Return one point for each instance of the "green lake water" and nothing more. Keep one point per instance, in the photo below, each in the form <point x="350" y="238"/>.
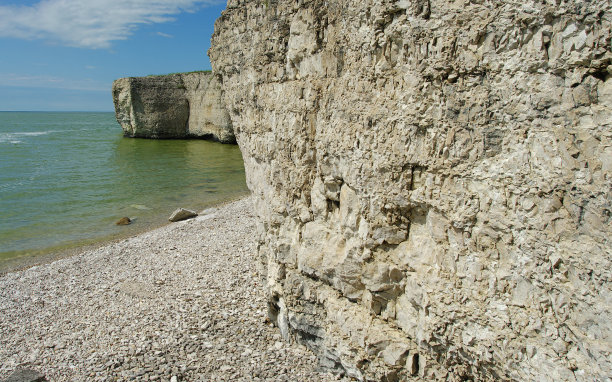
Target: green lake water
<point x="66" y="178"/>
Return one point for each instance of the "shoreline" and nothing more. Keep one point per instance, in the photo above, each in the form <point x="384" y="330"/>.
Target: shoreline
<point x="51" y="254"/>
<point x="183" y="300"/>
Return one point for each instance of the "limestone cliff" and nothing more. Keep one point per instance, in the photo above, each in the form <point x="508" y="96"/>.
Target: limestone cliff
<point x="182" y="105"/>
<point x="433" y="181"/>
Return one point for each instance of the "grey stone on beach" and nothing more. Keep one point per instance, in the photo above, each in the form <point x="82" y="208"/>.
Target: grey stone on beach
<point x="182" y="214"/>
<point x="25" y="375"/>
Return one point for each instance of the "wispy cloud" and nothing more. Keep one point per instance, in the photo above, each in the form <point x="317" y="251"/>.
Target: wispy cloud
<point x="166" y="35"/>
<point x="46" y="81"/>
<point x="89" y="24"/>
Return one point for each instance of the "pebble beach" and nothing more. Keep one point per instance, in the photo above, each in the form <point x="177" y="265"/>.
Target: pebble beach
<point x="183" y="302"/>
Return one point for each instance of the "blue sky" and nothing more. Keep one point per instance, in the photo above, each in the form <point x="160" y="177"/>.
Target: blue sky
<point x="63" y="55"/>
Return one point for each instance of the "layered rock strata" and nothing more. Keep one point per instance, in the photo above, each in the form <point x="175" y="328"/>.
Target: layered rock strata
<point x="182" y="105"/>
<point x="432" y="179"/>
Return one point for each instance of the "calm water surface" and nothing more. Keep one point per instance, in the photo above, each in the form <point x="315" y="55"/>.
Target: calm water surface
<point x="66" y="178"/>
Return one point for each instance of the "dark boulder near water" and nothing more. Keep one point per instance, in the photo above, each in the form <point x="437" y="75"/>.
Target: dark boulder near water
<point x="124" y="221"/>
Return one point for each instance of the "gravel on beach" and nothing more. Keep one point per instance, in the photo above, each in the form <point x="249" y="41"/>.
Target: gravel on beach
<point x="179" y="303"/>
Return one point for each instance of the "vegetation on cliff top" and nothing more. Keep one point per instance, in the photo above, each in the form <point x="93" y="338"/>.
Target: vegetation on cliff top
<point x="171" y="74"/>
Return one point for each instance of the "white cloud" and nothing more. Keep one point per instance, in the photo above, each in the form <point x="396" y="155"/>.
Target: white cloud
<point x="88" y="24"/>
<point x="166" y="35"/>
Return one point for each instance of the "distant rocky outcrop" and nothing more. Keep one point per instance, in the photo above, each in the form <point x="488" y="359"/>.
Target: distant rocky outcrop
<point x="182" y="105"/>
<point x="432" y="179"/>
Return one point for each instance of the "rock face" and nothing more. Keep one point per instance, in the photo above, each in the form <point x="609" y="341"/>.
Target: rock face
<point x="432" y="179"/>
<point x="183" y="105"/>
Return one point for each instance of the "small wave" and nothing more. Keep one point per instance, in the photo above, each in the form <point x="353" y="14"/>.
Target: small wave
<point x="139" y="206"/>
<point x="15" y="137"/>
<point x="10" y="186"/>
<point x="32" y="133"/>
<point x="10" y="140"/>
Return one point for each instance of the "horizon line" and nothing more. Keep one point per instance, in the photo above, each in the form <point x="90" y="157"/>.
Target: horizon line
<point x="57" y="111"/>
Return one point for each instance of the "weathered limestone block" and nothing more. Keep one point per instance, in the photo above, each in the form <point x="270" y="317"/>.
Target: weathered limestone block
<point x="182" y="105"/>
<point x="432" y="179"/>
<point x="182" y="214"/>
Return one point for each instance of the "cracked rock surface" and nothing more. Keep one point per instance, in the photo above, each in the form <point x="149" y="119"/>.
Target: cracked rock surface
<point x="432" y="179"/>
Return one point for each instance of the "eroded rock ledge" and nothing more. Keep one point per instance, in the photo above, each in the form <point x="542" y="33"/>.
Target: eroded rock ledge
<point x="182" y="105"/>
<point x="433" y="181"/>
